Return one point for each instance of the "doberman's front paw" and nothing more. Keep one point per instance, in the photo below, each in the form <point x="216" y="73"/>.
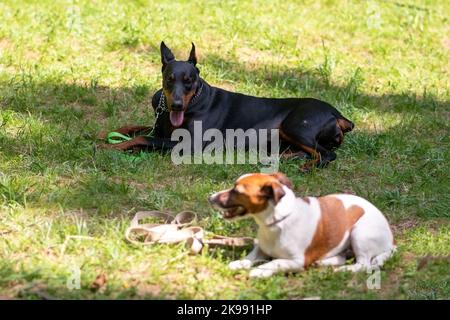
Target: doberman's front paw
<point x="102" y="135"/>
<point x="108" y="146"/>
<point x="104" y="146"/>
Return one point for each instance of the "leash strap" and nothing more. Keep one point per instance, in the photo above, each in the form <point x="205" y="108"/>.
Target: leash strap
<point x="166" y="232"/>
<point x="116" y="137"/>
<point x="176" y="229"/>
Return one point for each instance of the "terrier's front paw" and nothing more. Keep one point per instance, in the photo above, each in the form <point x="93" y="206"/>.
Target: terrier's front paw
<point x="260" y="273"/>
<point x="240" y="264"/>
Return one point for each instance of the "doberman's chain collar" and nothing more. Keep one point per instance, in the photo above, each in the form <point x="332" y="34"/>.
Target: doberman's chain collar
<point x="116" y="137"/>
<point x="161" y="108"/>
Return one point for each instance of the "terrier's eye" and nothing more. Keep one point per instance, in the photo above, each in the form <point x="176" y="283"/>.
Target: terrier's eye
<point x="239" y="189"/>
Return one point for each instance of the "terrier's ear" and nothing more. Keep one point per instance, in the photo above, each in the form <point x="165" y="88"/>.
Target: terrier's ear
<point x="273" y="190"/>
<point x="192" y="57"/>
<point x="166" y="55"/>
<point x="283" y="179"/>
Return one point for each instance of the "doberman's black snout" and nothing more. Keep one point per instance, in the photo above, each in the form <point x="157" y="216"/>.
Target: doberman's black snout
<point x="177" y="105"/>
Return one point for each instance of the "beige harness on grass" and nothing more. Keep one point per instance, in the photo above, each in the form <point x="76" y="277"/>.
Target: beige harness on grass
<point x="176" y="229"/>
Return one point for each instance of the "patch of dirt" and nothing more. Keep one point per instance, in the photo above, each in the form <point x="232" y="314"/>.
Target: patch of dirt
<point x="135" y="278"/>
<point x="424" y="261"/>
<point x="202" y="273"/>
<point x="144" y="290"/>
<point x="408" y="257"/>
<point x="5" y="44"/>
<point x="401" y="226"/>
<point x="31" y="55"/>
<point x="38" y="289"/>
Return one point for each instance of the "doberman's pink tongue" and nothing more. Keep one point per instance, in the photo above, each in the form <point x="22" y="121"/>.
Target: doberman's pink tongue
<point x="176" y="118"/>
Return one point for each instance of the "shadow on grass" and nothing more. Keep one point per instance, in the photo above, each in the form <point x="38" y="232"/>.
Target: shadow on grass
<point x="298" y="82"/>
<point x="63" y="113"/>
<point x="62" y="102"/>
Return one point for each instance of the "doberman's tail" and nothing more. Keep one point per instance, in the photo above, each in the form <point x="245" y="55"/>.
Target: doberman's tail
<point x="345" y="124"/>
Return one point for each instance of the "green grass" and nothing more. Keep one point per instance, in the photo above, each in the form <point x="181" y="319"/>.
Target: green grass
<point x="70" y="69"/>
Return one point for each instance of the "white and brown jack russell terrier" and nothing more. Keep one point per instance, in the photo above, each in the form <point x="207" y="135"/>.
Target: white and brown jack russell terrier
<point x="299" y="232"/>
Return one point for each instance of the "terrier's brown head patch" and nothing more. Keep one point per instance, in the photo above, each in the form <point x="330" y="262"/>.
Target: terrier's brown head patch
<point x="251" y="193"/>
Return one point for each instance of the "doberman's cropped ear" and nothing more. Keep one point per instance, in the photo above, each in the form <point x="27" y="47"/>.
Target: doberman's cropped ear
<point x="192" y="56"/>
<point x="166" y="55"/>
<point x="273" y="190"/>
<point x="283" y="179"/>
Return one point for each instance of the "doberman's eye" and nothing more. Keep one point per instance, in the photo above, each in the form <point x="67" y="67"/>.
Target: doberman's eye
<point x="187" y="83"/>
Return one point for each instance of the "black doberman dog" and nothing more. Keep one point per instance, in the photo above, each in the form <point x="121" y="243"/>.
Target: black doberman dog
<point x="305" y="124"/>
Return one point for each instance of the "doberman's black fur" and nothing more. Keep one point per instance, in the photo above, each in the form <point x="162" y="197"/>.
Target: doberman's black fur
<point x="304" y="124"/>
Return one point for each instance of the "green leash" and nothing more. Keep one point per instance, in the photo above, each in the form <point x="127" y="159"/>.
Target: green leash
<point x="116" y="137"/>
